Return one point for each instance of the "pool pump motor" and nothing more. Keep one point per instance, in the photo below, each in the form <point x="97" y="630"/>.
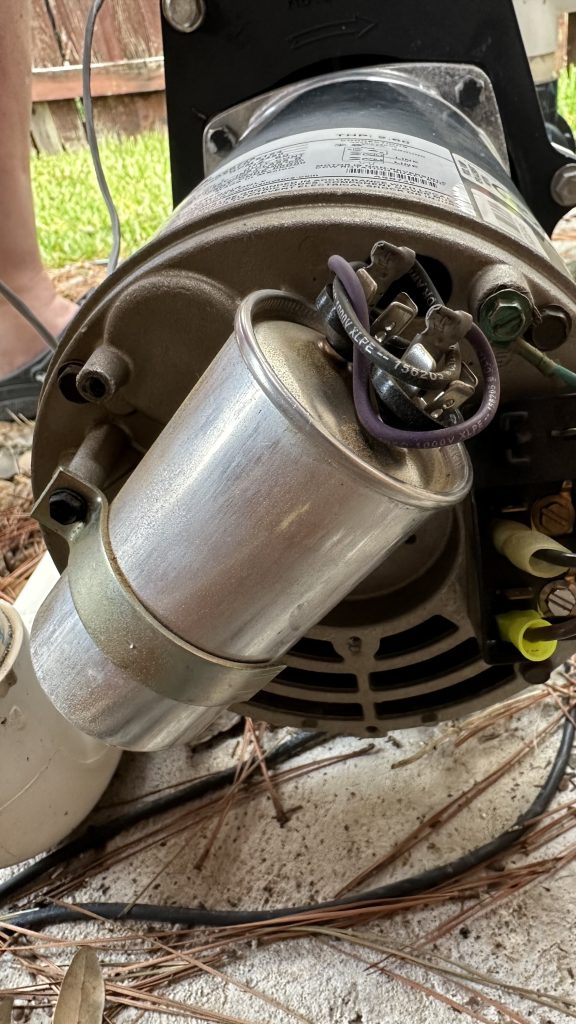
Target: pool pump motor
<point x="277" y="447"/>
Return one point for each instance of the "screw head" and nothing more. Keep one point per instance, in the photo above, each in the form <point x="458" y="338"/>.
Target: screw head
<point x="354" y="645"/>
<point x="552" y="329"/>
<point x="184" y="15"/>
<point x="469" y="92"/>
<point x="505" y="315"/>
<point x="557" y="600"/>
<point x="220" y="141"/>
<point x="563" y="185"/>
<point x="67" y="507"/>
<point x="554" y="515"/>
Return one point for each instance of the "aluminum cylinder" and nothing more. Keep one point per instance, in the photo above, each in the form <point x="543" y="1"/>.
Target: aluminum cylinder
<point x="259" y="508"/>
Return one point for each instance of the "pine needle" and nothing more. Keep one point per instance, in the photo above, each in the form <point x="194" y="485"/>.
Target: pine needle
<point x="446" y="813"/>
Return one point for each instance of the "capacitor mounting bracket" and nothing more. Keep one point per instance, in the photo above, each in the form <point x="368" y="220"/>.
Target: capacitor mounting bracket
<point x="123" y="628"/>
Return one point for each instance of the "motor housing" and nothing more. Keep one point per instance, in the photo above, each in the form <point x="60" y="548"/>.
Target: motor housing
<point x="323" y="166"/>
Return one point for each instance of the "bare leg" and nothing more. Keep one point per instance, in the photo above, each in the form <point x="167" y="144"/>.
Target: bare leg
<point x="20" y="264"/>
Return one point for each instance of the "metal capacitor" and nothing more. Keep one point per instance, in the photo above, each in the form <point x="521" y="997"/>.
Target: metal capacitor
<point x="259" y="507"/>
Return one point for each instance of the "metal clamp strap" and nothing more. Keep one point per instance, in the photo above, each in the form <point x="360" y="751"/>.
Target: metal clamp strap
<point x="124" y="630"/>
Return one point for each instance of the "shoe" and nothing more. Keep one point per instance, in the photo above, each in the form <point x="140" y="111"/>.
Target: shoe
<point x="20" y="390"/>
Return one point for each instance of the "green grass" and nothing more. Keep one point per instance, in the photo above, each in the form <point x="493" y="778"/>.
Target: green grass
<point x="71" y="218"/>
<point x="567" y="95"/>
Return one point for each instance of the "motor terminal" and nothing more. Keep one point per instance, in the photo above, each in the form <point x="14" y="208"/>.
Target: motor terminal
<point x="558" y="599"/>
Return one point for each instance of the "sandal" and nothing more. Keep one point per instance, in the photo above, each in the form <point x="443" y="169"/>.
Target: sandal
<point x="20" y="390"/>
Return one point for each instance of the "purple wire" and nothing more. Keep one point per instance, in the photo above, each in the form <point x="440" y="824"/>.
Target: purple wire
<point x="367" y="415"/>
<point x="349" y="280"/>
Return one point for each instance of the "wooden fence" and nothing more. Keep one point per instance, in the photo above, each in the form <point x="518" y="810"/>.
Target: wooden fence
<point x="128" y="69"/>
<point x="127" y="75"/>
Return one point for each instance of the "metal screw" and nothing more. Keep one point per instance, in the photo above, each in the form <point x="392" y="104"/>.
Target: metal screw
<point x="554" y="515"/>
<point x="558" y="600"/>
<point x="220" y="141"/>
<point x="553" y="328"/>
<point x="563" y="185"/>
<point x="553" y="519"/>
<point x="505" y="315"/>
<point x="354" y="645"/>
<point x="469" y="92"/>
<point x="67" y="507"/>
<point x="184" y="15"/>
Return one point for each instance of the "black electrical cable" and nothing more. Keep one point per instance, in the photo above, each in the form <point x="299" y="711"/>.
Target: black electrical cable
<point x="191" y="917"/>
<point x="97" y="835"/>
<point x="563" y="559"/>
<point x="379" y="356"/>
<point x="92" y="138"/>
<point x="21" y="307"/>
<point x="565" y="630"/>
<point x="425" y="285"/>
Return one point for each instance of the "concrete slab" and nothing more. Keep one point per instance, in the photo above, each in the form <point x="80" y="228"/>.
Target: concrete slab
<point x="343" y="818"/>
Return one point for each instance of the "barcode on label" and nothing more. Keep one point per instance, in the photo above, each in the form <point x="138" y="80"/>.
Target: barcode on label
<point x="392" y="174"/>
<point x="496" y="213"/>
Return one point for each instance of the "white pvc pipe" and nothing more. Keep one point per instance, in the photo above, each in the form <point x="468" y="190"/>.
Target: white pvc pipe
<point x="539" y="24"/>
<point x="51" y="775"/>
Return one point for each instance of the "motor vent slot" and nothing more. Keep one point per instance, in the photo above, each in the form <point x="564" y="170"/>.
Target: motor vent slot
<point x="450" y="661"/>
<point x="344" y="682"/>
<point x="311" y="710"/>
<point x="485" y="682"/>
<point x="432" y="631"/>
<point x="311" y="647"/>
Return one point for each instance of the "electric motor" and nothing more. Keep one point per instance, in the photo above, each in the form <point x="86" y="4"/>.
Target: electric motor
<point x="266" y="548"/>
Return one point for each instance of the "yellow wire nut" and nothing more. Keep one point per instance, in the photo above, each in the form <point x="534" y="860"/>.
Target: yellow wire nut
<point x="518" y="543"/>
<point x="513" y="627"/>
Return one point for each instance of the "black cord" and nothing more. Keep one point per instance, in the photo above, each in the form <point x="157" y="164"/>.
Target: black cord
<point x="21" y="307"/>
<point x="565" y="630"/>
<point x="92" y="138"/>
<point x="97" y="835"/>
<point x="192" y="917"/>
<point x="563" y="559"/>
<point x="425" y="285"/>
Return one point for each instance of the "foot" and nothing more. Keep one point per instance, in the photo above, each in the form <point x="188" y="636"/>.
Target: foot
<point x="19" y="342"/>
